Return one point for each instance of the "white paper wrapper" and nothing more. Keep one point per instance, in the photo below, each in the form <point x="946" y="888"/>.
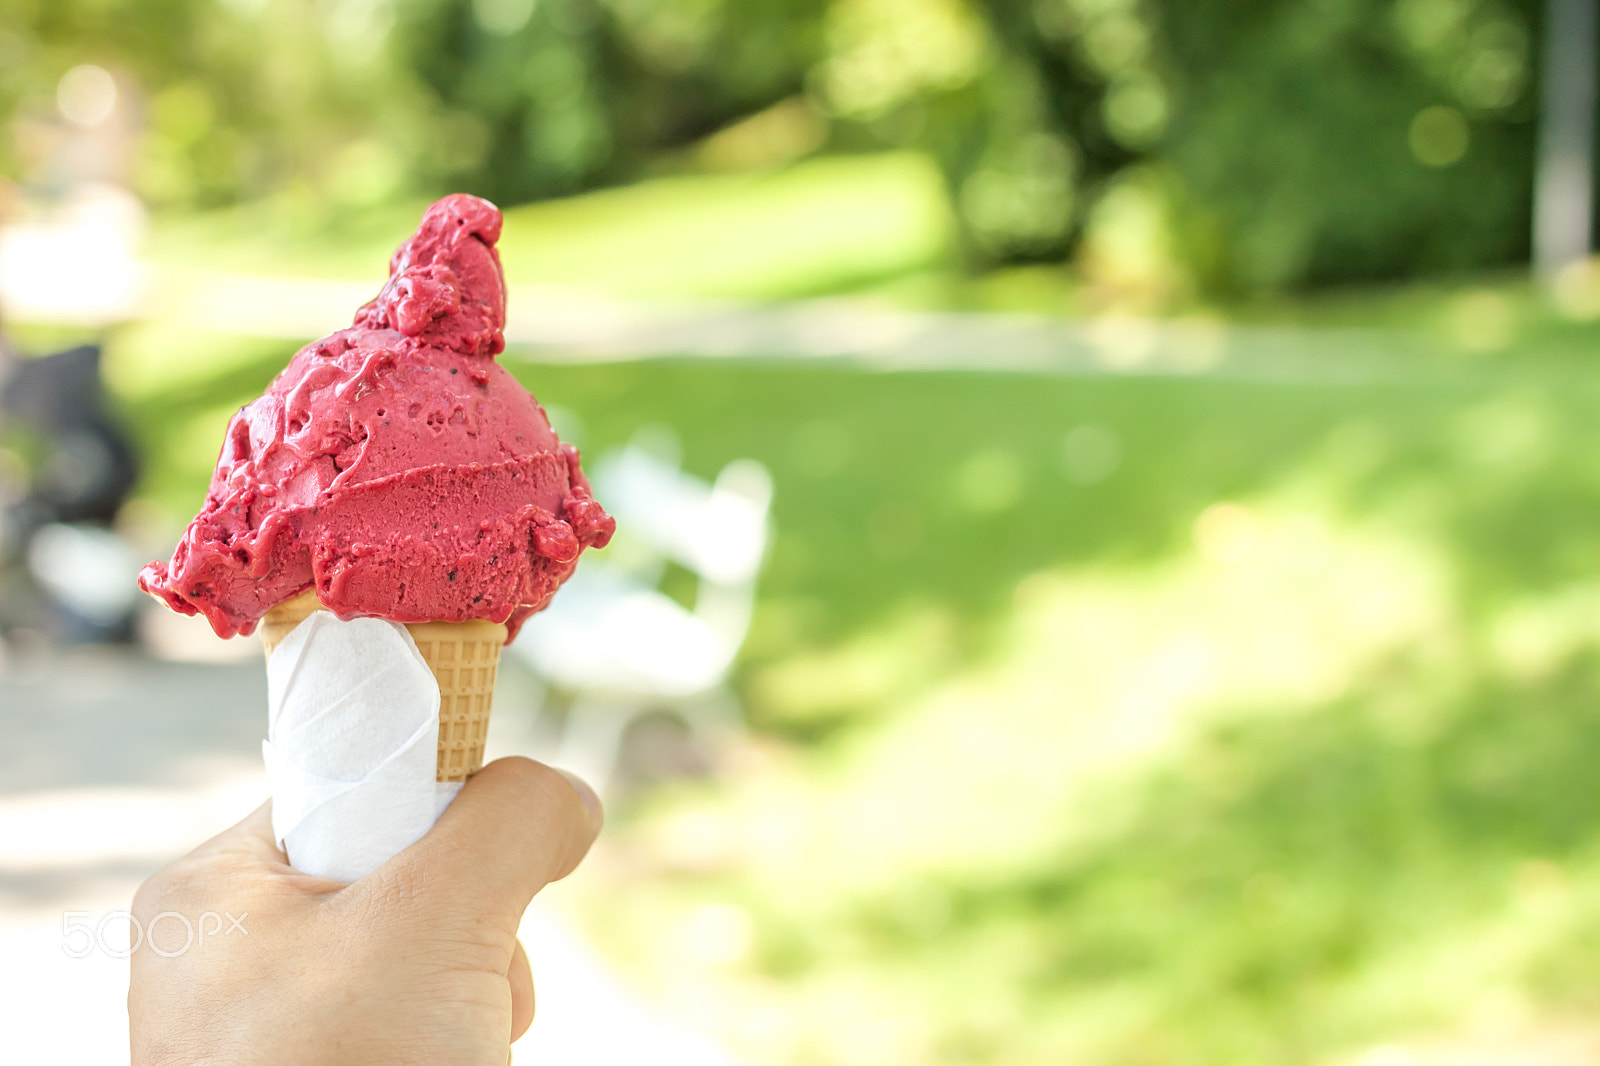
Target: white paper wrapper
<point x="352" y="745"/>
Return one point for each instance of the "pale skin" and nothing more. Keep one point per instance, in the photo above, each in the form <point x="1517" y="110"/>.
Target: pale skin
<point x="416" y="963"/>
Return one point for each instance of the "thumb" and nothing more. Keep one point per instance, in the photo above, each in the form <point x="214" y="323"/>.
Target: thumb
<point x="516" y="826"/>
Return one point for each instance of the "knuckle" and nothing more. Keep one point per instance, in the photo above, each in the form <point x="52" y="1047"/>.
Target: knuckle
<point x="147" y="897"/>
<point x="185" y="882"/>
<point x="523" y="771"/>
<point x="159" y="892"/>
<point x="555" y="789"/>
<point x="395" y="888"/>
<point x="541" y="789"/>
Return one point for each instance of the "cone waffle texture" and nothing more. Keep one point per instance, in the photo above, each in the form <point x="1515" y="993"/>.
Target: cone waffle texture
<point x="464" y="658"/>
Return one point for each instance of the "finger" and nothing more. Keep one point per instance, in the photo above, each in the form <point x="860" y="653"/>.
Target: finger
<point x="246" y="848"/>
<point x="521" y="977"/>
<point x="516" y="826"/>
<point x="253" y="844"/>
<point x="251" y="838"/>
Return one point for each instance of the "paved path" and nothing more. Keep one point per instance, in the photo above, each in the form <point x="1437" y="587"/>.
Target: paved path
<point x="572" y="326"/>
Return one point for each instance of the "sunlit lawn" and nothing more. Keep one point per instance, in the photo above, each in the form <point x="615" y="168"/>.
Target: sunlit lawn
<point x="1122" y="720"/>
<point x="820" y="226"/>
<point x="1260" y="728"/>
<point x="1275" y="743"/>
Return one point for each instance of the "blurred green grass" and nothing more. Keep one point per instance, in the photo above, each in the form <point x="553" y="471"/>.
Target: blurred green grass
<point x="1110" y="719"/>
<point x="1276" y="782"/>
<point x="1395" y="838"/>
<point x="819" y="226"/>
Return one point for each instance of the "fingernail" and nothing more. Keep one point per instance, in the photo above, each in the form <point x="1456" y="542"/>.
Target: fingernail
<point x="591" y="802"/>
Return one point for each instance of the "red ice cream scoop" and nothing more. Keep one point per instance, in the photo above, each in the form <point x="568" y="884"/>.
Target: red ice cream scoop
<point x="394" y="468"/>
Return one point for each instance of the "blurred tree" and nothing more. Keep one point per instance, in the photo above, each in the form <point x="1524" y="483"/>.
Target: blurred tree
<point x="1279" y="143"/>
<point x="538" y="99"/>
<point x="1350" y="139"/>
<point x="988" y="94"/>
<point x="1234" y="145"/>
<point x="236" y="99"/>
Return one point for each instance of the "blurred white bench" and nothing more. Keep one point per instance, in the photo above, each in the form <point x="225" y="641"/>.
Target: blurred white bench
<point x="620" y="645"/>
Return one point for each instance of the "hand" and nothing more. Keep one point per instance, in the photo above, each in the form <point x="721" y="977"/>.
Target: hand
<point x="416" y="963"/>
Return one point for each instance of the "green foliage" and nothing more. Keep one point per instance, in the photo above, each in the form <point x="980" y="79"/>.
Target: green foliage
<point x="235" y="100"/>
<point x="545" y="98"/>
<point x="1353" y="140"/>
<point x="1296" y="144"/>
<point x="1169" y="147"/>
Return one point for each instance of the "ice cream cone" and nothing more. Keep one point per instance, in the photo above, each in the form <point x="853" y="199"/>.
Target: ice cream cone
<point x="464" y="658"/>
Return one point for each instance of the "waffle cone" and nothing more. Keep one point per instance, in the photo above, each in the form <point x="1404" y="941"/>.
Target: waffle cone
<point x="464" y="658"/>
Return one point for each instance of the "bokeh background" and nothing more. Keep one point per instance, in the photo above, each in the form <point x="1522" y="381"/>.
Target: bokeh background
<point x="1180" y="638"/>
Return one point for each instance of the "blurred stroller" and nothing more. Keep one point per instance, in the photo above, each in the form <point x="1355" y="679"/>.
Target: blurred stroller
<point x="623" y="648"/>
<point x="63" y="572"/>
<point x="66" y="463"/>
